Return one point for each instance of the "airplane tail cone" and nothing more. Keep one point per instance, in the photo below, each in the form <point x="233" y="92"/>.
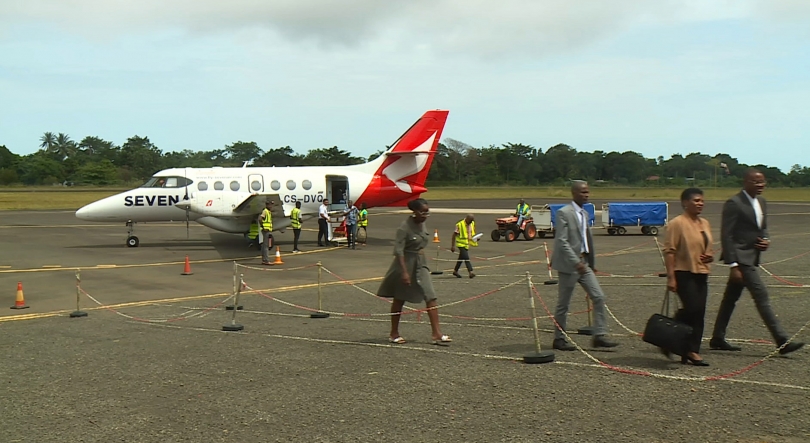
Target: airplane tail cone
<point x="436" y="236"/>
<point x="20" y="302"/>
<point x="187" y="268"/>
<point x="278" y="257"/>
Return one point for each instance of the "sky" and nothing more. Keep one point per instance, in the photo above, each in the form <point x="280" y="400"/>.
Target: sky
<point x="655" y="77"/>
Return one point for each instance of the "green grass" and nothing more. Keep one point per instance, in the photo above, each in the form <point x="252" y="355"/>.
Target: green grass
<point x="37" y="198"/>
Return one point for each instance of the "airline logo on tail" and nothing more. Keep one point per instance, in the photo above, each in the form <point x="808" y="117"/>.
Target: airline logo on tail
<point x="406" y="165"/>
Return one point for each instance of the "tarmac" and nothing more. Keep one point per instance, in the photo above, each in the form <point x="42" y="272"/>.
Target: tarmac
<point x="151" y="362"/>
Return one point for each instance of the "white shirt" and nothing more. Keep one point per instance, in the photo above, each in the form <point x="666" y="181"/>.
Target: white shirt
<point x="323" y="212"/>
<point x="582" y="217"/>
<point x="757" y="208"/>
<point x="758" y="214"/>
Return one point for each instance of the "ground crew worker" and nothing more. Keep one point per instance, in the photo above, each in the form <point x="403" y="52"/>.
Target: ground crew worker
<point x="523" y="212"/>
<point x="253" y="235"/>
<point x="266" y="223"/>
<point x="363" y="222"/>
<point x="351" y="224"/>
<point x="295" y="224"/>
<point x="463" y="239"/>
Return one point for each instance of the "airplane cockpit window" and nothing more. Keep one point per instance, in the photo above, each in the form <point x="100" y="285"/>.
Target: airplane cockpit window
<point x="219" y="186"/>
<point x="234" y="186"/>
<point x="307" y="185"/>
<point x="202" y="186"/>
<point x="167" y="182"/>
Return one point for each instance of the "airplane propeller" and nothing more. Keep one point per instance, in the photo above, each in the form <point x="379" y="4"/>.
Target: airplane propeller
<point x="185" y="177"/>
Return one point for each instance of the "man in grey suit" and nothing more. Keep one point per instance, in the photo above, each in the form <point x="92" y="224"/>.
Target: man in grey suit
<point x="573" y="258"/>
<point x="744" y="236"/>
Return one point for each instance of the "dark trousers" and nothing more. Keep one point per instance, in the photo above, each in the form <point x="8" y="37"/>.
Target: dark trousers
<point x="463" y="256"/>
<point x="323" y="230"/>
<point x="365" y="231"/>
<point x="759" y="293"/>
<point x="296" y="236"/>
<point x="351" y="234"/>
<point x="693" y="290"/>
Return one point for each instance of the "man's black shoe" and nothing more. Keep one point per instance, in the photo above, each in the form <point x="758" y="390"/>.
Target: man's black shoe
<point x="601" y="341"/>
<point x="722" y="345"/>
<point x="562" y="345"/>
<point x="790" y="347"/>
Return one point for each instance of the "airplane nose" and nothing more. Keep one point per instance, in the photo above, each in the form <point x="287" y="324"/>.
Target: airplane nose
<point x="84" y="212"/>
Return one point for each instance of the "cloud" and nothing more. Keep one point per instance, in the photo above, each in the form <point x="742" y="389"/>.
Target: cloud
<point x="481" y="28"/>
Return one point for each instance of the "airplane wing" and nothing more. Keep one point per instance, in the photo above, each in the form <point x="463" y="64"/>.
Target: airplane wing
<point x="254" y="204"/>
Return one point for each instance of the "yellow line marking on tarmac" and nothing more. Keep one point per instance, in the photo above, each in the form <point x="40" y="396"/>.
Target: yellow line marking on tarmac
<point x="51" y="266"/>
<point x="5" y="267"/>
<point x="34" y="316"/>
<point x="102" y="225"/>
<point x="148" y="265"/>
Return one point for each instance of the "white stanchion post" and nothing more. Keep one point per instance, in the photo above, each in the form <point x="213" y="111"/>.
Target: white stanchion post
<point x="539" y="356"/>
<point x="436" y="270"/>
<point x="234" y="326"/>
<point x="550" y="280"/>
<point x="235" y="274"/>
<point x="588" y="330"/>
<point x="663" y="260"/>
<point x="320" y="313"/>
<point x="78" y="312"/>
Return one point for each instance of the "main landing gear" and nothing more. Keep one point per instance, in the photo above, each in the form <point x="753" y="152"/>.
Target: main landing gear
<point x="132" y="241"/>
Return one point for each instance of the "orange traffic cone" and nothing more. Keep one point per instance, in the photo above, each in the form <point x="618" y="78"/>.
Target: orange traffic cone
<point x="436" y="236"/>
<point x="278" y="257"/>
<point x="187" y="268"/>
<point x="20" y="303"/>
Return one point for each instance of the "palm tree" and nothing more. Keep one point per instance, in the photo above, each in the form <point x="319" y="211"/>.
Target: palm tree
<point x="48" y="140"/>
<point x="65" y="147"/>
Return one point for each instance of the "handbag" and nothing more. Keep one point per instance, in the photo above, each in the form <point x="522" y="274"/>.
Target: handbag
<point x="666" y="332"/>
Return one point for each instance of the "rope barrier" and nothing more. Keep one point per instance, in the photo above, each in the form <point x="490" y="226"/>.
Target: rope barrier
<point x="167" y="320"/>
<point x="657" y="375"/>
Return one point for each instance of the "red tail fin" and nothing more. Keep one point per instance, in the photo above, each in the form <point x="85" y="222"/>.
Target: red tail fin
<point x="404" y="168"/>
<point x="408" y="162"/>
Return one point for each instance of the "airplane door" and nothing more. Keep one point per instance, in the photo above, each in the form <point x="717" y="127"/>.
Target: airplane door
<point x="256" y="182"/>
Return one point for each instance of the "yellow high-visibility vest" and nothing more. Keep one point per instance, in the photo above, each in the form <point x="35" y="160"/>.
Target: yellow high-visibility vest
<point x="267" y="220"/>
<point x="527" y="210"/>
<point x="462" y="241"/>
<point x="295" y="218"/>
<point x="254" y="230"/>
<point x="363" y="218"/>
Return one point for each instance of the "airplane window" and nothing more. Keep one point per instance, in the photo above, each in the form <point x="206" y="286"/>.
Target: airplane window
<point x="219" y="186"/>
<point x="171" y="182"/>
<point x="307" y="184"/>
<point x="202" y="186"/>
<point x="149" y="183"/>
<point x="290" y="185"/>
<point x="234" y="186"/>
<point x="275" y="185"/>
<point x="256" y="185"/>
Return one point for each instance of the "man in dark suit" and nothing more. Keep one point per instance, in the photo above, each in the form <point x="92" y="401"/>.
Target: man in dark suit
<point x="574" y="259"/>
<point x="744" y="235"/>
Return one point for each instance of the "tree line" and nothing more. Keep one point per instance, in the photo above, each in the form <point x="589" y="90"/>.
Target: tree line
<point x="99" y="162"/>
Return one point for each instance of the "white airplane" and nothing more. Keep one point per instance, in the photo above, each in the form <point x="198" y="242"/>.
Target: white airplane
<point x="229" y="199"/>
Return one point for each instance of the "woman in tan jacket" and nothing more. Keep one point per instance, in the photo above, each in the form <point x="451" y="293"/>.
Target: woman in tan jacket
<point x="688" y="254"/>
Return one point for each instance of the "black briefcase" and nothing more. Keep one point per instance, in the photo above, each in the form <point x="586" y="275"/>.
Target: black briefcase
<point x="667" y="333"/>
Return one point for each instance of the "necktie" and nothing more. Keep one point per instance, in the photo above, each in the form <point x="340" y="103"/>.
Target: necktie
<point x="584" y="230"/>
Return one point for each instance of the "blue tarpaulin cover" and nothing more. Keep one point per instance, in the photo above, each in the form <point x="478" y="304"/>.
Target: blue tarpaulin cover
<point x="638" y="214"/>
<point x="589" y="208"/>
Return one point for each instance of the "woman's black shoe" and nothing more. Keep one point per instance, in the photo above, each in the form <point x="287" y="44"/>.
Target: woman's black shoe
<point x="694" y="362"/>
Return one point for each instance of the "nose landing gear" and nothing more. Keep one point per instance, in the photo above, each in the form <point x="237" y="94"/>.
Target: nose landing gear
<point x="132" y="241"/>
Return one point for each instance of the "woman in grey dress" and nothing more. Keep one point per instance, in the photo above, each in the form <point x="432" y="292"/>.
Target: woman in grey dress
<point x="408" y="278"/>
